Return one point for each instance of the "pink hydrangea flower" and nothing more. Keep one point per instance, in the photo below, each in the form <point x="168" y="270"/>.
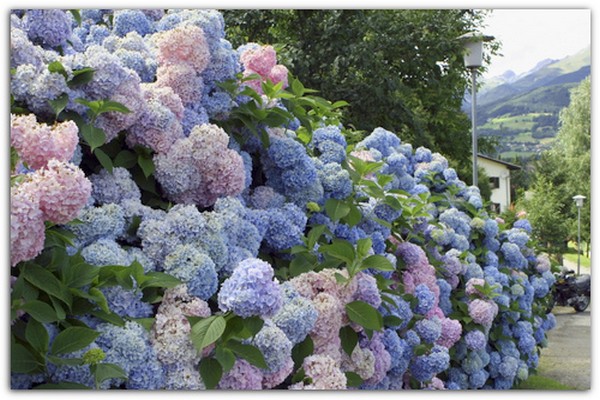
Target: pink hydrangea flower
<point x="183" y="45"/>
<point x="27" y="229"/>
<point x="279" y="73"/>
<point x="451" y="331"/>
<point x="270" y="380"/>
<point x="483" y="312"/>
<point x="62" y="188"/>
<point x="260" y="60"/>
<point x="184" y="81"/>
<point x="159" y="125"/>
<point x="470" y="288"/>
<point x="243" y="376"/>
<point x="39" y="143"/>
<point x="542" y="263"/>
<point x="324" y="372"/>
<point x="200" y="169"/>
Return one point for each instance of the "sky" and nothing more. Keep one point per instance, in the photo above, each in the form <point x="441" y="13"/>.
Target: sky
<point x="531" y="35"/>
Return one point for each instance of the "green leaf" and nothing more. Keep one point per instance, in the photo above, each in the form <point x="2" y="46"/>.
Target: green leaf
<point x="340" y="249"/>
<point x="76" y="16"/>
<point x="365" y="315"/>
<point x="105" y="371"/>
<point x="59" y="104"/>
<point x="336" y="209"/>
<point x="60" y="311"/>
<point x="225" y="357"/>
<point x="108" y="317"/>
<point x="126" y="159"/>
<point x="363" y="246"/>
<point x="378" y="262"/>
<point x="147" y="323"/>
<point x="211" y="372"/>
<point x="391" y="321"/>
<point x="302" y="350"/>
<point x="314" y="235"/>
<point x="353" y="379"/>
<point x="62" y="386"/>
<point x="41" y="311"/>
<point x="21" y="359"/>
<point x="253" y="324"/>
<point x="297" y="87"/>
<point x="81" y="77"/>
<point x="340" y="279"/>
<point x="64" y="361"/>
<point x="302" y="263"/>
<point x="248" y="353"/>
<point x="207" y="331"/>
<point x="77" y="273"/>
<point x="37" y="336"/>
<point x="46" y="281"/>
<point x="159" y="279"/>
<point x="146" y="164"/>
<point x="354" y="216"/>
<point x="104" y="160"/>
<point x="94" y="137"/>
<point x="72" y="339"/>
<point x="57" y="68"/>
<point x="349" y="339"/>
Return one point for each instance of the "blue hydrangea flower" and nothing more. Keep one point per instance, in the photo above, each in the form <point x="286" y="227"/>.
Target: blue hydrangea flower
<point x="429" y="330"/>
<point x="401" y="310"/>
<point x="250" y="290"/>
<point x="114" y="187"/>
<point x="335" y="180"/>
<point x="523" y="224"/>
<point x="381" y="140"/>
<point x="105" y="251"/>
<point x="129" y="347"/>
<point x="194" y="268"/>
<point x="127" y="303"/>
<point x="126" y="21"/>
<point x="297" y="316"/>
<point x="513" y="256"/>
<point x="274" y="345"/>
<point x="50" y="28"/>
<point x="425" y="367"/>
<point x="425" y="297"/>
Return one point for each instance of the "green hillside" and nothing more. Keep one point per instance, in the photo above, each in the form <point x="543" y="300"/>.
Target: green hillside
<point x="523" y="114"/>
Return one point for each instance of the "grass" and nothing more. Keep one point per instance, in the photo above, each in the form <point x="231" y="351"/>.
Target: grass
<point x="571" y="255"/>
<point x="536" y="382"/>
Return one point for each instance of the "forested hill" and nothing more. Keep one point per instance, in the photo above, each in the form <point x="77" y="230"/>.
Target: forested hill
<point x="522" y="110"/>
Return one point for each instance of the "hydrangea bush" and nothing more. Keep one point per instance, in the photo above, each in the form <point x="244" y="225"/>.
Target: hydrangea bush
<point x="185" y="215"/>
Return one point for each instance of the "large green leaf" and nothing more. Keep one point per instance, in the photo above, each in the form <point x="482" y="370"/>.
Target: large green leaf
<point x="353" y="379"/>
<point x="336" y="209"/>
<point x="72" y="339"/>
<point x="302" y="350"/>
<point x="21" y="359"/>
<point x="78" y="273"/>
<point x="248" y="353"/>
<point x="39" y="310"/>
<point x="340" y="249"/>
<point x="159" y="279"/>
<point x="378" y="262"/>
<point x="46" y="281"/>
<point x="349" y="339"/>
<point x="59" y="104"/>
<point x="146" y="164"/>
<point x="225" y="357"/>
<point x="211" y="372"/>
<point x="104" y="160"/>
<point x="106" y="371"/>
<point x="37" y="336"/>
<point x="94" y="137"/>
<point x="207" y="331"/>
<point x="364" y="315"/>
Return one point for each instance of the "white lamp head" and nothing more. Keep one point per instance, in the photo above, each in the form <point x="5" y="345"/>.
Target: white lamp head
<point x="579" y="200"/>
<point x="473" y="44"/>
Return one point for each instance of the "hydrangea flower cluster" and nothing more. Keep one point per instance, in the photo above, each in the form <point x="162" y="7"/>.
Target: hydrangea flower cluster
<point x="238" y="209"/>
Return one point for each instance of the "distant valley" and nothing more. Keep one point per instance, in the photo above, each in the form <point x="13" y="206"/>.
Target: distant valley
<point x="522" y="110"/>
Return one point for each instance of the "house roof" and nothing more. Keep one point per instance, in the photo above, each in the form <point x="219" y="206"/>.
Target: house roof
<point x="508" y="165"/>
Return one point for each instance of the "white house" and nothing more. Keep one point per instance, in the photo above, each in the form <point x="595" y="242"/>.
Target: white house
<point x="498" y="172"/>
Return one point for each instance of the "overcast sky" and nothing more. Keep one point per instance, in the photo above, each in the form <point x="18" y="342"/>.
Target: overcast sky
<point x="531" y="35"/>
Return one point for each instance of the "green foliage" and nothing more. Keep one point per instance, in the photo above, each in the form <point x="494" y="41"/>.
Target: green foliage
<point x="398" y="69"/>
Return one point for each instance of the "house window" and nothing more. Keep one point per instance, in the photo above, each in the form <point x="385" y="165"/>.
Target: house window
<point x="494" y="182"/>
<point x="495" y="208"/>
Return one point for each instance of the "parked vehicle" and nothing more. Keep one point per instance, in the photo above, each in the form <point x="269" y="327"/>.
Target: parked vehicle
<point x="571" y="290"/>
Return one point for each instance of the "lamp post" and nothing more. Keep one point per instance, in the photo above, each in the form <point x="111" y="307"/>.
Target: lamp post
<point x="473" y="57"/>
<point x="579" y="203"/>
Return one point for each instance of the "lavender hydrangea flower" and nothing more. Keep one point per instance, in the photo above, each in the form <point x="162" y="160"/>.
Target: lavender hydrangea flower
<point x="194" y="268"/>
<point x="50" y="28"/>
<point x="250" y="290"/>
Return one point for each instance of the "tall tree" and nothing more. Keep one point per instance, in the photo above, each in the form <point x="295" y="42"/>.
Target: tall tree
<point x="561" y="173"/>
<point x="399" y="69"/>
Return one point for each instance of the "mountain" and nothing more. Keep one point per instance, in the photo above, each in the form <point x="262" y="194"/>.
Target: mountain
<point x="521" y="111"/>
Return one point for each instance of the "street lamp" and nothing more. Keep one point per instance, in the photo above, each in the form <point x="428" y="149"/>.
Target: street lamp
<point x="579" y="203"/>
<point x="473" y="45"/>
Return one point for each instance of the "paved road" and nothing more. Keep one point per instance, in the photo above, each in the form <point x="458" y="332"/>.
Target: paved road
<point x="567" y="358"/>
